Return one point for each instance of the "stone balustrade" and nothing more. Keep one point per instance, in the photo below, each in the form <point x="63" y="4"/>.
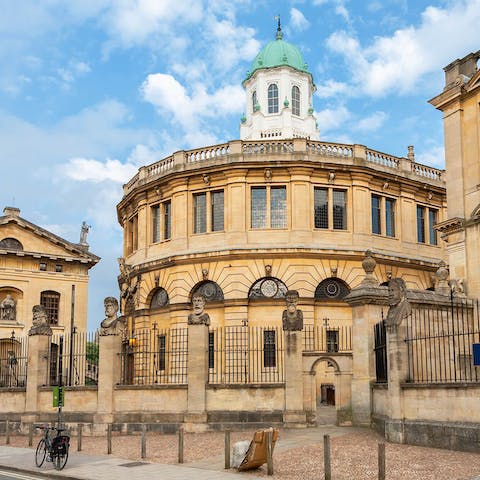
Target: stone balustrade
<point x="320" y="151"/>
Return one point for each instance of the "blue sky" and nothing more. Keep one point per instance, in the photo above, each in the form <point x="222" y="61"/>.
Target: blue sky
<point x="92" y="89"/>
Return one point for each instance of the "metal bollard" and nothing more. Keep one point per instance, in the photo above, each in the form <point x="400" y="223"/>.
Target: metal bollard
<point x="143" y="446"/>
<point x="30" y="434"/>
<point x="227" y="448"/>
<point x="109" y="439"/>
<point x="180" y="444"/>
<point x="7" y="432"/>
<point x="381" y="461"/>
<point x="79" y="437"/>
<point x="269" y="451"/>
<point x="326" y="457"/>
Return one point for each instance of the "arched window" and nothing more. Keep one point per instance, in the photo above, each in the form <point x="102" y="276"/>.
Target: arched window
<point x="268" y="287"/>
<point x="159" y="298"/>
<point x="51" y="301"/>
<point x="332" y="289"/>
<point x="254" y="100"/>
<point x="295" y="100"/>
<point x="210" y="290"/>
<point x="11" y="244"/>
<point x="272" y="98"/>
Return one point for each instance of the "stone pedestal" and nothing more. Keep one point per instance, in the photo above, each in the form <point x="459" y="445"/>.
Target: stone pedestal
<point x="108" y="376"/>
<point x="197" y="375"/>
<point x="294" y="414"/>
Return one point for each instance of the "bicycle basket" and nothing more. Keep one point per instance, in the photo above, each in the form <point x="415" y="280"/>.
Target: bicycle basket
<point x="60" y="444"/>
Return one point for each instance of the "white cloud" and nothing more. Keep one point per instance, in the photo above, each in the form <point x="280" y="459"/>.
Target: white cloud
<point x="298" y="20"/>
<point x="332" y="88"/>
<point x="435" y="156"/>
<point x="398" y="62"/>
<point x="372" y="122"/>
<point x="332" y="118"/>
<point x="88" y="169"/>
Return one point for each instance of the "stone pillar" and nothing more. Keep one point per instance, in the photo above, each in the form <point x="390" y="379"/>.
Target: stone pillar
<point x="397" y="373"/>
<point x="197" y="377"/>
<point x="310" y="397"/>
<point x="38" y="346"/>
<point x="109" y="371"/>
<point x="343" y="398"/>
<point x="366" y="303"/>
<point x="294" y="414"/>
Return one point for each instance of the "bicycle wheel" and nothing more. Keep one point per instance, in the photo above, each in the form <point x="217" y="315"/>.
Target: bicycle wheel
<point x="40" y="453"/>
<point x="60" y="459"/>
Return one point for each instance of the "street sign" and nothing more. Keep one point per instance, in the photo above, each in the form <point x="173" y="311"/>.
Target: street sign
<point x="476" y="354"/>
<point x="58" y="396"/>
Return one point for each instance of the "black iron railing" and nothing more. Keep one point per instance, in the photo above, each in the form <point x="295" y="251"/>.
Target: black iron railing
<point x="13" y="361"/>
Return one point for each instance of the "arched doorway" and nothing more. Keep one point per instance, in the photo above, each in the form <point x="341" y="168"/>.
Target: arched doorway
<point x="325" y="370"/>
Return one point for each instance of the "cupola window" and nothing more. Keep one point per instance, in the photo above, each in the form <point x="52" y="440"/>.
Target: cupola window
<point x="254" y="101"/>
<point x="272" y="98"/>
<point x="295" y="100"/>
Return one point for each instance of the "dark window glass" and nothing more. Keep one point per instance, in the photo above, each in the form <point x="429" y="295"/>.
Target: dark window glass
<point x="211" y="350"/>
<point x="156" y="223"/>
<point x="320" y="207"/>
<point x="51" y="301"/>
<point x="217" y="211"/>
<point x="42" y="266"/>
<point x="278" y="207"/>
<point x="420" y="224"/>
<point x="376" y="228"/>
<point x="269" y="349"/>
<point x="254" y="100"/>
<point x="295" y="100"/>
<point x="58" y="268"/>
<point x="162" y="350"/>
<point x="432" y="220"/>
<point x="167" y="220"/>
<point x="200" y="213"/>
<point x="332" y="340"/>
<point x="339" y="209"/>
<point x="390" y="217"/>
<point x="272" y="98"/>
<point x="258" y="207"/>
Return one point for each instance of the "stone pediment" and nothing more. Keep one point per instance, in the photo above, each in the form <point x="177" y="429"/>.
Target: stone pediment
<point x="23" y="238"/>
<point x="473" y="82"/>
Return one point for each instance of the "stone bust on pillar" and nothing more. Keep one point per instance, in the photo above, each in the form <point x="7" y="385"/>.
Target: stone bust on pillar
<point x="40" y="324"/>
<point x="199" y="316"/>
<point x="292" y="317"/>
<point x="399" y="307"/>
<point x="112" y="324"/>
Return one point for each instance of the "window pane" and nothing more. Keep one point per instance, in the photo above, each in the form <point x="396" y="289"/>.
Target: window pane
<point x="432" y="220"/>
<point x="167" y="220"/>
<point x="332" y="340"/>
<point x="155" y="223"/>
<point x="320" y="208"/>
<point x="295" y="100"/>
<point x="51" y="300"/>
<point x="211" y="350"/>
<point x="161" y="352"/>
<point x="376" y="214"/>
<point x="390" y="217"/>
<point x="272" y="98"/>
<point x="269" y="357"/>
<point x="420" y="224"/>
<point x="278" y="207"/>
<point x="200" y="213"/>
<point x="339" y="209"/>
<point x="254" y="100"/>
<point x="258" y="207"/>
<point x="217" y="211"/>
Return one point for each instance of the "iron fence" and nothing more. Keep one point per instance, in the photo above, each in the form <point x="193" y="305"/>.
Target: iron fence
<point x="245" y="355"/>
<point x="440" y="343"/>
<point x="327" y="339"/>
<point x="155" y="357"/>
<point x="380" y="349"/>
<point x="74" y="357"/>
<point x="13" y="361"/>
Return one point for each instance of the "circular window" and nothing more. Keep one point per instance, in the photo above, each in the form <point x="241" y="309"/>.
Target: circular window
<point x="269" y="288"/>
<point x="332" y="288"/>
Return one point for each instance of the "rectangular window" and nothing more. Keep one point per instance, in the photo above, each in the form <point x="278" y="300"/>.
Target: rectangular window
<point x="268" y="207"/>
<point x="217" y="211"/>
<point x="162" y="350"/>
<point x="320" y="207"/>
<point x="167" y="220"/>
<point x="258" y="207"/>
<point x="420" y="224"/>
<point x="332" y="340"/>
<point x="200" y="213"/>
<point x="269" y="349"/>
<point x="211" y="350"/>
<point x="161" y="221"/>
<point x="432" y="220"/>
<point x="42" y="266"/>
<point x="58" y="268"/>
<point x="339" y="209"/>
<point x="156" y="224"/>
<point x="132" y="235"/>
<point x="389" y="217"/>
<point x="278" y="207"/>
<point x="376" y="215"/>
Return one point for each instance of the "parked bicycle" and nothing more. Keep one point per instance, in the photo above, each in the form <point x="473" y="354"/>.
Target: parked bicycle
<point x="53" y="447"/>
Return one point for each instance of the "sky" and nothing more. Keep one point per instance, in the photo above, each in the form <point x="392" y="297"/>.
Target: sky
<point x="90" y="90"/>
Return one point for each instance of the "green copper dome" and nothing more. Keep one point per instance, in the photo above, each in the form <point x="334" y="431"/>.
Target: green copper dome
<point x="278" y="53"/>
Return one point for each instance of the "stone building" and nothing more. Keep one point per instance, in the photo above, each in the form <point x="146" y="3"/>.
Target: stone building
<point x="244" y="221"/>
<point x="38" y="267"/>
